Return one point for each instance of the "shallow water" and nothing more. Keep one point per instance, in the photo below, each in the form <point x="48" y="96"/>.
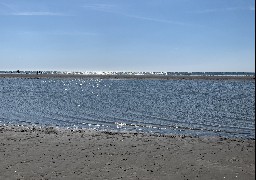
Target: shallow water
<point x="194" y="107"/>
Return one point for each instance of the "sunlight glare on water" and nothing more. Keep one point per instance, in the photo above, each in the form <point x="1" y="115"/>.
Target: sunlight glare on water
<point x="194" y="107"/>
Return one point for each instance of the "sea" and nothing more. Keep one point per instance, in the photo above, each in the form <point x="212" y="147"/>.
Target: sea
<point x="223" y="108"/>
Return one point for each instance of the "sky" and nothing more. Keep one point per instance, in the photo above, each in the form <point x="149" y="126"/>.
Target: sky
<point x="128" y="35"/>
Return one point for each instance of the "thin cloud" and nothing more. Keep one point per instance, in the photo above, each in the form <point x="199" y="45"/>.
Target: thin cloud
<point x="37" y="14"/>
<point x="58" y="33"/>
<point x="228" y="9"/>
<point x="100" y="7"/>
<point x="10" y="10"/>
<point x="108" y="8"/>
<point x="155" y="20"/>
<point x="7" y="6"/>
<point x="74" y="33"/>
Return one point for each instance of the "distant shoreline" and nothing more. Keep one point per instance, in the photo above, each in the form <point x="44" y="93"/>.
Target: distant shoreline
<point x="139" y="77"/>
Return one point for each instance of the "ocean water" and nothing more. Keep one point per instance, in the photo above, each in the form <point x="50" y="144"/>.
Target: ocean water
<point x="189" y="107"/>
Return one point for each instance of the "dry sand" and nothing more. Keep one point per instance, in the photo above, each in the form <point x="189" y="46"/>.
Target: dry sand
<point x="34" y="153"/>
<point x="169" y="77"/>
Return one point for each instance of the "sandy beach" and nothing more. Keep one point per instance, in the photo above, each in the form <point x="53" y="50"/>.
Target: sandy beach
<point x="141" y="77"/>
<point x="48" y="153"/>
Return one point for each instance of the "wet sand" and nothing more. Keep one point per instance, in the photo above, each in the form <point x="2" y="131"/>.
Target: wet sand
<point x="33" y="76"/>
<point x="48" y="153"/>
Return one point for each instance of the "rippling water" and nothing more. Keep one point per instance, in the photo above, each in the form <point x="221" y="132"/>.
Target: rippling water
<point x="194" y="107"/>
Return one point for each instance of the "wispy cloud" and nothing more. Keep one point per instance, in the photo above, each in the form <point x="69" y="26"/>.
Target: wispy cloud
<point x="228" y="9"/>
<point x="7" y="6"/>
<point x="58" y="33"/>
<point x="113" y="9"/>
<point x="74" y="33"/>
<point x="11" y="10"/>
<point x="37" y="14"/>
<point x="155" y="19"/>
<point x="101" y="7"/>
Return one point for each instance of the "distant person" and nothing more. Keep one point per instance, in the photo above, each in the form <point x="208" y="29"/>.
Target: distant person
<point x="18" y="71"/>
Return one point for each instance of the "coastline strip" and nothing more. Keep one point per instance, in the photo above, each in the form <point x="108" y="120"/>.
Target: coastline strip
<point x="139" y="77"/>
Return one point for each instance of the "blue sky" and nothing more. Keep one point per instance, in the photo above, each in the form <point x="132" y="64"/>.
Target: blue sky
<point x="127" y="35"/>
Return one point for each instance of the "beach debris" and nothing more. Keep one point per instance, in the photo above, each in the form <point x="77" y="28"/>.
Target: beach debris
<point x="50" y="130"/>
